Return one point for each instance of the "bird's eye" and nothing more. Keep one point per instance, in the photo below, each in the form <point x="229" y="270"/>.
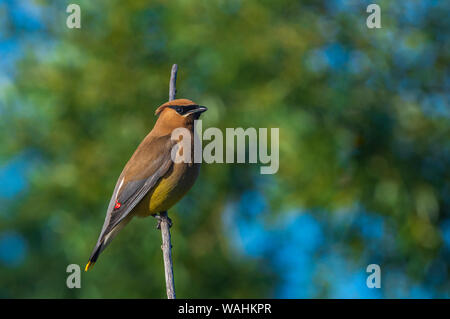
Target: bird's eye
<point x="179" y="110"/>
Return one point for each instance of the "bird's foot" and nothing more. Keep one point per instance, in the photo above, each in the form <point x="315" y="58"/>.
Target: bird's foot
<point x="160" y="219"/>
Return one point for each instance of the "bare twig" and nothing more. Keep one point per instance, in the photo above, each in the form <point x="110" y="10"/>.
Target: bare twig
<point x="172" y="83"/>
<point x="164" y="220"/>
<point x="167" y="254"/>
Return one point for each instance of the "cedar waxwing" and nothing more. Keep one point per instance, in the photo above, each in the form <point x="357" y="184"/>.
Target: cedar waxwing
<point x="151" y="182"/>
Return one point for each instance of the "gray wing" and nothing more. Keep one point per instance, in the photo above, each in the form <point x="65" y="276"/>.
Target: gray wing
<point x="131" y="193"/>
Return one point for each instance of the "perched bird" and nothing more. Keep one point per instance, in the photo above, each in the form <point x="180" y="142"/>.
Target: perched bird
<point x="151" y="182"/>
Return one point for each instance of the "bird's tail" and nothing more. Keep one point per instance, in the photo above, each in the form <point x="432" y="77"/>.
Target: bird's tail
<point x="89" y="265"/>
<point x="97" y="250"/>
<point x="104" y="240"/>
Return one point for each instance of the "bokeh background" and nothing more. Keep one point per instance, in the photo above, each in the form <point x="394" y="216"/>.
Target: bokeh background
<point x="364" y="124"/>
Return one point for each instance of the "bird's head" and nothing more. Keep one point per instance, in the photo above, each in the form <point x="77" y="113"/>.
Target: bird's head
<point x="179" y="113"/>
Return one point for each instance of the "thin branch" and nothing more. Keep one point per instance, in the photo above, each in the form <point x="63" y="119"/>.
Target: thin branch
<point x="164" y="220"/>
<point x="167" y="254"/>
<point x="172" y="83"/>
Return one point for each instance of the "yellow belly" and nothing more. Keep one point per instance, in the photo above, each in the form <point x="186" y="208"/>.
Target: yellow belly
<point x="170" y="189"/>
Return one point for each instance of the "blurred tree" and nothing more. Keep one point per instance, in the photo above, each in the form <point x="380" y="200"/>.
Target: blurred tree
<point x="364" y="131"/>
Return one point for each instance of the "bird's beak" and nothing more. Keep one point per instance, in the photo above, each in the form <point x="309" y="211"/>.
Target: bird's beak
<point x="198" y="109"/>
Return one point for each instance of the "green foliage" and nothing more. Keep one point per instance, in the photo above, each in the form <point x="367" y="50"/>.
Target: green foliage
<point x="360" y="130"/>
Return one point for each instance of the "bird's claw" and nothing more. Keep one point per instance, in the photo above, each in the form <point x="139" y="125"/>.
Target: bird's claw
<point x="160" y="218"/>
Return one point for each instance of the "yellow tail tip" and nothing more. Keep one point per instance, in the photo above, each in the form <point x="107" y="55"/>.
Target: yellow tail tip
<point x="89" y="265"/>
